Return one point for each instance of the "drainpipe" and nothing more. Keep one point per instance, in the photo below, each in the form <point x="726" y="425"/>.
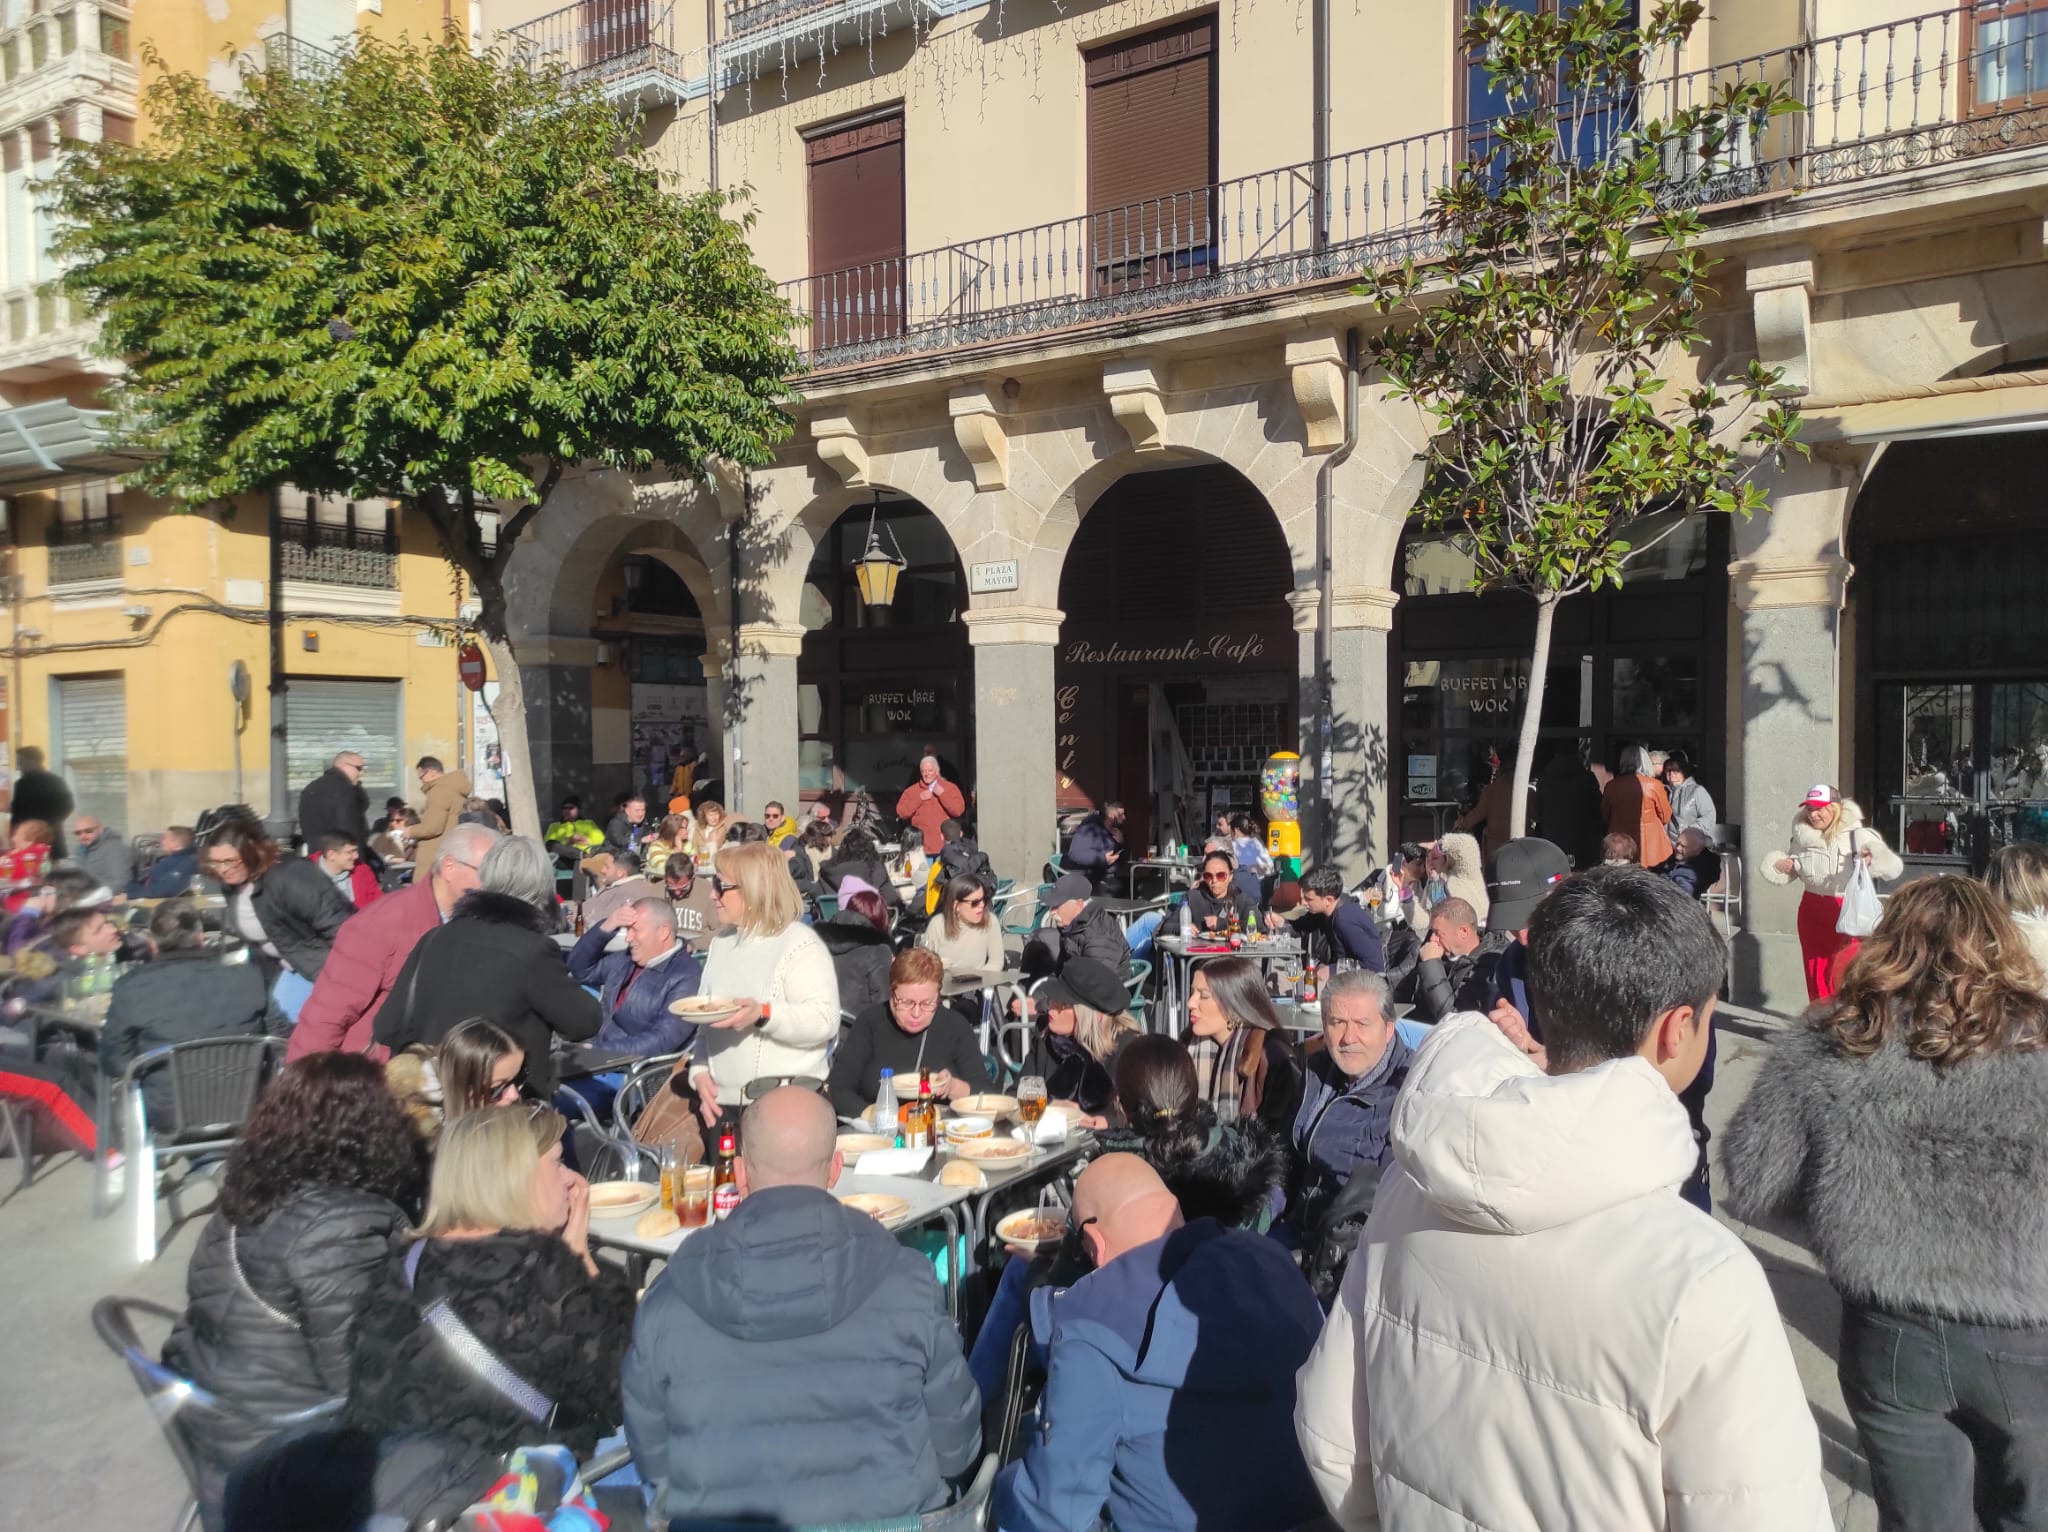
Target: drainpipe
<point x="1326" y="765"/>
<point x="280" y="744"/>
<point x="1319" y="125"/>
<point x="711" y="84"/>
<point x="735" y="695"/>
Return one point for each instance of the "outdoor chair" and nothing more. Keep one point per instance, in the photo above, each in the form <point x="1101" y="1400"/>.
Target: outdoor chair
<point x="1141" y="970"/>
<point x="639" y="1086"/>
<point x="214" y="1085"/>
<point x="1725" y="897"/>
<point x="183" y="1410"/>
<point x="603" y="1153"/>
<point x="18" y="1130"/>
<point x="968" y="1511"/>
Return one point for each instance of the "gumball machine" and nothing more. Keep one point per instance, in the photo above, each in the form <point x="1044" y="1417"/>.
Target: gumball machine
<point x="1280" y="802"/>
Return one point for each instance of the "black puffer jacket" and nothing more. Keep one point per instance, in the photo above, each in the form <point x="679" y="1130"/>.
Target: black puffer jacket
<point x="495" y="958"/>
<point x="1094" y="933"/>
<point x="861" y="956"/>
<point x="277" y="1339"/>
<point x="181" y="996"/>
<point x="300" y="909"/>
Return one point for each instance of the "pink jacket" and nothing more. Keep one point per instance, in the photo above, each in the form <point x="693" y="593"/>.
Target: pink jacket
<point x="926" y="814"/>
<point x="368" y="952"/>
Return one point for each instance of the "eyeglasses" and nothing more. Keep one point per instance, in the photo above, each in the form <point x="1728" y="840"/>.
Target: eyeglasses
<point x="511" y="1090"/>
<point x="224" y="862"/>
<point x="913" y="1007"/>
<point x="975" y="903"/>
<point x="721" y="888"/>
<point x="1215" y="877"/>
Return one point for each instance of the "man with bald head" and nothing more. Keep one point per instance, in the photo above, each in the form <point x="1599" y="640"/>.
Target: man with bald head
<point x="1169" y="1399"/>
<point x="794" y="1365"/>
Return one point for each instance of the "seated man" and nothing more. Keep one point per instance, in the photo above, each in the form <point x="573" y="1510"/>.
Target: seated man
<point x="793" y="1364"/>
<point x="342" y="860"/>
<point x="1338" y="1128"/>
<point x="960" y="857"/>
<point x="1079" y="927"/>
<point x="628" y="827"/>
<point x="187" y="993"/>
<point x="697" y="918"/>
<point x="62" y="952"/>
<point x="616" y="880"/>
<point x="1346" y="928"/>
<point x="171" y="874"/>
<point x="1169" y="1394"/>
<point x="1097" y="843"/>
<point x="638" y="982"/>
<point x="571" y="832"/>
<point x="776" y="821"/>
<point x="1619" y="850"/>
<point x="1455" y="967"/>
<point x="101" y="852"/>
<point x="1697" y="867"/>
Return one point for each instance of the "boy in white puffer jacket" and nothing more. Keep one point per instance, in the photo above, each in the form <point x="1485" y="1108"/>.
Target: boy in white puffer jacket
<point x="1536" y="1333"/>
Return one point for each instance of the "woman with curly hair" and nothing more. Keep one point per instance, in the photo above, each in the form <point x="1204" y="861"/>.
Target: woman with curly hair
<point x="316" y="1190"/>
<point x="1906" y="1124"/>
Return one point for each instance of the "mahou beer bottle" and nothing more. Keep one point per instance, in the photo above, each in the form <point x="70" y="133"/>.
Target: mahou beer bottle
<point x="725" y="1187"/>
<point x="924" y="1117"/>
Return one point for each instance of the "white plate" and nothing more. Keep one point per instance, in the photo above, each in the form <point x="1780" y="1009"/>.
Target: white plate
<point x="886" y="1210"/>
<point x="713" y="1008"/>
<point x="1039" y="1244"/>
<point x="994" y="1151"/>
<point x="631" y="1198"/>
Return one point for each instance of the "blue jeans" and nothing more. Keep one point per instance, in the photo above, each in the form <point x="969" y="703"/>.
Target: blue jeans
<point x="289" y="994"/>
<point x="1009" y="1308"/>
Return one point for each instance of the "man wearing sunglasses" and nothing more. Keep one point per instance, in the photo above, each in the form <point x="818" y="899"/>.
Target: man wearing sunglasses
<point x="1169" y="1395"/>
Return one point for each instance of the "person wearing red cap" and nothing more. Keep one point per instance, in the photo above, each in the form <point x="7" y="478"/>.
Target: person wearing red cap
<point x="1827" y="832"/>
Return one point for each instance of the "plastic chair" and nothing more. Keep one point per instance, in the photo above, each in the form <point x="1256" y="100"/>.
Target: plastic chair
<point x="214" y="1085"/>
<point x="183" y="1409"/>
<point x="607" y="1153"/>
<point x="1140" y="972"/>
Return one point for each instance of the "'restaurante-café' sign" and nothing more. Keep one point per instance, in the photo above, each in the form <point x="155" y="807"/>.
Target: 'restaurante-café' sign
<point x="1218" y="648"/>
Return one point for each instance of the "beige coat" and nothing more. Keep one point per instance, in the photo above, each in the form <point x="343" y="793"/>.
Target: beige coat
<point x="447" y="795"/>
<point x="1824" y="859"/>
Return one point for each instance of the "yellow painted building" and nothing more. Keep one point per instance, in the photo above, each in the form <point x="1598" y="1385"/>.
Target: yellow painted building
<point x="128" y="618"/>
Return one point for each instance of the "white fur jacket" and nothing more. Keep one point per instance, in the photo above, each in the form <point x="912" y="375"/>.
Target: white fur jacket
<point x="1824" y="860"/>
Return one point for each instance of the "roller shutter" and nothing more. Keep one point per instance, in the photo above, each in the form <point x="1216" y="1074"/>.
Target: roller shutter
<point x="856" y="208"/>
<point x="91" y="744"/>
<point x="324" y="718"/>
<point x="1152" y="156"/>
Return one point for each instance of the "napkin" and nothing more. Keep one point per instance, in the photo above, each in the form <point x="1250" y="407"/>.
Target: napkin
<point x="892" y="1162"/>
<point x="1051" y="1129"/>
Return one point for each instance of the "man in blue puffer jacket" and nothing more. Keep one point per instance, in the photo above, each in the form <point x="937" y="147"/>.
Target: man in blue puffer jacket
<point x="1170" y="1394"/>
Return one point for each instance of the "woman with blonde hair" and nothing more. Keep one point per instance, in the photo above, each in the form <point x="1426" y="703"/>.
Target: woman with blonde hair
<point x="2019" y="875"/>
<point x="497" y="1282"/>
<point x="709" y="833"/>
<point x="1906" y="1125"/>
<point x="778" y="973"/>
<point x="1828" y="836"/>
<point x="1085" y="1030"/>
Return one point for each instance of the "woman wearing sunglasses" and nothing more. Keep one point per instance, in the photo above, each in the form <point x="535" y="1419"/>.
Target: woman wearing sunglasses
<point x="910" y="1031"/>
<point x="965" y="934"/>
<point x="1216" y="896"/>
<point x="776" y="970"/>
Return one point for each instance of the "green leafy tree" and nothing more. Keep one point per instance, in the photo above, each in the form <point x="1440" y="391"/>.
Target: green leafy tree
<point x="426" y="276"/>
<point x="1553" y="348"/>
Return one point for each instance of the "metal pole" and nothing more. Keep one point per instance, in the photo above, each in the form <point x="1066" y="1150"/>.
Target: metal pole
<point x="735" y="685"/>
<point x="711" y="83"/>
<point x="1319" y="128"/>
<point x="280" y="742"/>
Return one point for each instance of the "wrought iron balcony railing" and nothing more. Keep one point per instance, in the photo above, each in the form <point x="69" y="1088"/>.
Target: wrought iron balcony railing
<point x="296" y="56"/>
<point x="1941" y="87"/>
<point x="339" y="555"/>
<point x="78" y="563"/>
<point x="621" y="46"/>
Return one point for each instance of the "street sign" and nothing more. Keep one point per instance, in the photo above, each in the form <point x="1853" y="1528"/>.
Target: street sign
<point x="1001" y="574"/>
<point x="469" y="664"/>
<point x="238" y="681"/>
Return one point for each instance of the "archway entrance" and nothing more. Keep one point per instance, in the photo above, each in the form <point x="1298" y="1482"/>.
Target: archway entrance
<point x="1951" y="646"/>
<point x="878" y="686"/>
<point x="654" y="630"/>
<point x="1176" y="674"/>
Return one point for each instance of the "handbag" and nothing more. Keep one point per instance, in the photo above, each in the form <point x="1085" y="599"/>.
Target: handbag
<point x="669" y="1122"/>
<point x="1861" y="909"/>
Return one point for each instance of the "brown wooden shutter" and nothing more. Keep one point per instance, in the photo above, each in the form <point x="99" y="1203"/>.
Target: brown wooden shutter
<point x="42" y="138"/>
<point x="1152" y="156"/>
<point x="116" y="128"/>
<point x="856" y="205"/>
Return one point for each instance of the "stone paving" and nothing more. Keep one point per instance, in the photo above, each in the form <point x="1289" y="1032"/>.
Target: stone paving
<point x="79" y="1449"/>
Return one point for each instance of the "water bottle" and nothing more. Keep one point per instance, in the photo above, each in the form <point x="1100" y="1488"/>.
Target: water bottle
<point x="1187" y="921"/>
<point x="885" y="1103"/>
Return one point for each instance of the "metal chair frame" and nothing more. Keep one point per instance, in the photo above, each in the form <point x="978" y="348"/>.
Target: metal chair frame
<point x="150" y="1157"/>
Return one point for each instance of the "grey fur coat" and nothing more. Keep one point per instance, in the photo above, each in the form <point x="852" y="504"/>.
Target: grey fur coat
<point x="1923" y="1190"/>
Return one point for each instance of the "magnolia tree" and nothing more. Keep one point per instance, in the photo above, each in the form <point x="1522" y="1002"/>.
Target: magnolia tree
<point x="1556" y="346"/>
<point x="425" y="276"/>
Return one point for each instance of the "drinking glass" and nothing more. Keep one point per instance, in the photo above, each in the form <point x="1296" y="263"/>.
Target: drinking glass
<point x="1031" y="1099"/>
<point x="693" y="1208"/>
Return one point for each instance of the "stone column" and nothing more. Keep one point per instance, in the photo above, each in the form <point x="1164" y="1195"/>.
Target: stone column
<point x="1015" y="729"/>
<point x="555" y="681"/>
<point x="760" y="695"/>
<point x="1360" y="730"/>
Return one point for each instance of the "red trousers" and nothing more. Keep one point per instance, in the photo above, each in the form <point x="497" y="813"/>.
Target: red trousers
<point x="1826" y="950"/>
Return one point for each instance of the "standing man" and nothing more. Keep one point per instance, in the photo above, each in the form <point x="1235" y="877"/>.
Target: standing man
<point x="335" y="802"/>
<point x="447" y="796"/>
<point x="1098" y="843"/>
<point x="102" y="853"/>
<point x="929" y="802"/>
<point x="372" y="947"/>
<point x="40" y="794"/>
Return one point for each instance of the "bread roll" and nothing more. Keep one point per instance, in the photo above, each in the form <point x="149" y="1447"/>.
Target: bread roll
<point x="658" y="1223"/>
<point x="962" y="1173"/>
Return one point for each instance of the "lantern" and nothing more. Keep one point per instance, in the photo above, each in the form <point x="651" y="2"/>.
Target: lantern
<point x="876" y="571"/>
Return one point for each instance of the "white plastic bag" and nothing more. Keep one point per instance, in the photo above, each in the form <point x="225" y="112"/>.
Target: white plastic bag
<point x="1861" y="910"/>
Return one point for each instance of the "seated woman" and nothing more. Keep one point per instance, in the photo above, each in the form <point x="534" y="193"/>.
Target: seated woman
<point x="1076" y="1049"/>
<point x="501" y="1265"/>
<point x="858" y="939"/>
<point x="1216" y="896"/>
<point x="909" y="1031"/>
<point x="670" y="836"/>
<point x="1246" y="1065"/>
<point x="477" y="1065"/>
<point x="858" y="856"/>
<point x="318" y="1187"/>
<point x="964" y="933"/>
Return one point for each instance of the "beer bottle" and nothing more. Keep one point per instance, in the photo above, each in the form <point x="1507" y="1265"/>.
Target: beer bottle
<point x="917" y="1133"/>
<point x="725" y="1186"/>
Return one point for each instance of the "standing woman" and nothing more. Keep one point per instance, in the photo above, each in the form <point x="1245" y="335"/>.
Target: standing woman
<point x="1824" y="830"/>
<point x="1692" y="806"/>
<point x="284" y="906"/>
<point x="1906" y="1124"/>
<point x="1636" y="805"/>
<point x="1243" y="1061"/>
<point x="777" y="970"/>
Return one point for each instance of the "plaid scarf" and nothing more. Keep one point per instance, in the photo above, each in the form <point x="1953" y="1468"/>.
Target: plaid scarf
<point x="1216" y="1071"/>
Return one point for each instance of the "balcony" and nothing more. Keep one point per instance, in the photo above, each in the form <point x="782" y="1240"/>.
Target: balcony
<point x="73" y="564"/>
<point x="629" y="49"/>
<point x="1890" y="99"/>
<point x="319" y="553"/>
<point x="787" y="32"/>
<point x="297" y="57"/>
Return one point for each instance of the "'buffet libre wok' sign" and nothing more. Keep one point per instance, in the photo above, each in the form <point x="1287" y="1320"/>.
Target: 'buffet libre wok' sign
<point x="1218" y="648"/>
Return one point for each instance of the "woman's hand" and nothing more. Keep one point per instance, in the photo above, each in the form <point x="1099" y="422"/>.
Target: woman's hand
<point x="944" y="1084"/>
<point x="576" y="1232"/>
<point x="741" y="1019"/>
<point x="1787" y="866"/>
<point x="707" y="1100"/>
<point x="1093" y="1123"/>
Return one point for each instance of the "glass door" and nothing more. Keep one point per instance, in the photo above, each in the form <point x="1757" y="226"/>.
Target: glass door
<point x="1963" y="768"/>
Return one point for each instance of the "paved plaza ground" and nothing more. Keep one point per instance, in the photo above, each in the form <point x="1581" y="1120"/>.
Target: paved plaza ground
<point x="78" y="1447"/>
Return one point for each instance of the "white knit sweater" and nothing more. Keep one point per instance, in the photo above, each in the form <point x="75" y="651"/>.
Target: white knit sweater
<point x="976" y="947"/>
<point x="791" y="971"/>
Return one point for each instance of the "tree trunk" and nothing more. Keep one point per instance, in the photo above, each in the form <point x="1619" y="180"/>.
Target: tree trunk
<point x="509" y="713"/>
<point x="1532" y="713"/>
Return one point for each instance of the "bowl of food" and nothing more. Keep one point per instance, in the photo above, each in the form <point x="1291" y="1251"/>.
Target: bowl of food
<point x="963" y="1129"/>
<point x="886" y="1210"/>
<point x="703" y="1008"/>
<point x="1036" y="1230"/>
<point x="622" y="1199"/>
<point x="993" y="1150"/>
<point x="852" y="1144"/>
<point x="987" y="1105"/>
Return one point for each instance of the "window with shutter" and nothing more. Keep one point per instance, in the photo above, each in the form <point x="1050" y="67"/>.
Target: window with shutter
<point x="1152" y="157"/>
<point x="324" y="718"/>
<point x="91" y="744"/>
<point x="856" y="206"/>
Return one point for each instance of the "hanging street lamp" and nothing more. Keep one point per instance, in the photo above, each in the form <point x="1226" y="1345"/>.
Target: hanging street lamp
<point x="876" y="571"/>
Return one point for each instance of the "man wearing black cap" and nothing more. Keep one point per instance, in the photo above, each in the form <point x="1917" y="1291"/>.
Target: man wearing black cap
<point x="1076" y="926"/>
<point x="1523" y="875"/>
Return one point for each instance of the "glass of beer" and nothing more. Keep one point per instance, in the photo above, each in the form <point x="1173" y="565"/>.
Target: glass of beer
<point x="1031" y="1099"/>
<point x="693" y="1207"/>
